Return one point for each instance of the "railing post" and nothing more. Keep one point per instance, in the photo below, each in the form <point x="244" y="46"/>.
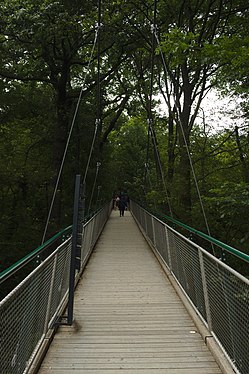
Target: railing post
<point x="75" y="260"/>
<point x="153" y="231"/>
<point x="205" y="290"/>
<point x="168" y="247"/>
<point x="49" y="301"/>
<point x="81" y="219"/>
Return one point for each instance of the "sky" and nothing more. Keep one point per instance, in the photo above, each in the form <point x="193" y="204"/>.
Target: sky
<point x="222" y="112"/>
<point x="219" y="112"/>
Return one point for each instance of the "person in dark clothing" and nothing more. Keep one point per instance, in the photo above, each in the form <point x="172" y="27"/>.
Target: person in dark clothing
<point x="122" y="205"/>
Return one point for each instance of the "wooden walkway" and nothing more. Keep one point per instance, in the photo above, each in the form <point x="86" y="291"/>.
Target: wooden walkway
<point x="128" y="318"/>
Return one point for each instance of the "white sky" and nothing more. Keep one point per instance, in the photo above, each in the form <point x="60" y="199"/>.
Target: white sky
<point x="220" y="112"/>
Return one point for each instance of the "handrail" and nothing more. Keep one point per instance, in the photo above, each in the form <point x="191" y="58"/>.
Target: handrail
<point x="224" y="246"/>
<point x="217" y="292"/>
<point x="12" y="269"/>
<point x="34" y="307"/>
<point x="5" y="274"/>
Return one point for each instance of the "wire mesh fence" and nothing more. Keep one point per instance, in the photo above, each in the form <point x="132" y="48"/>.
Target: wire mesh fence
<point x="30" y="310"/>
<point x="219" y="294"/>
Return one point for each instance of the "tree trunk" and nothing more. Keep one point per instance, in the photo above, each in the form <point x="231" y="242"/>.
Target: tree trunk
<point x="63" y="108"/>
<point x="244" y="168"/>
<point x="185" y="201"/>
<point x="171" y="149"/>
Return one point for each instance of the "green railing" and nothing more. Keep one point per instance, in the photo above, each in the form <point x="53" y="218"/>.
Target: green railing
<point x="31" y="310"/>
<point x="13" y="275"/>
<point x="212" y="240"/>
<point x="215" y="246"/>
<point x="218" y="293"/>
<point x="5" y="274"/>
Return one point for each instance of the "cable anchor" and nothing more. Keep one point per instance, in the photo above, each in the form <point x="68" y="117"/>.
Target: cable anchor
<point x="153" y="28"/>
<point x="98" y="25"/>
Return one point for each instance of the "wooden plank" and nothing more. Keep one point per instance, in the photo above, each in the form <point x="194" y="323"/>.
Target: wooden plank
<point x="127" y="315"/>
<point x="131" y="371"/>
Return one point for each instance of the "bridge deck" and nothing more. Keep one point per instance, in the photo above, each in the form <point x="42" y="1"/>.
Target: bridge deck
<point x="128" y="316"/>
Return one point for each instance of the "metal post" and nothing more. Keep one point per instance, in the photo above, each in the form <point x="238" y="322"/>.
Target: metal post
<point x="80" y="237"/>
<point x="94" y="183"/>
<point x="74" y="250"/>
<point x="98" y="199"/>
<point x="83" y="202"/>
<point x="168" y="248"/>
<point x="153" y="231"/>
<point x="205" y="290"/>
<point x="51" y="288"/>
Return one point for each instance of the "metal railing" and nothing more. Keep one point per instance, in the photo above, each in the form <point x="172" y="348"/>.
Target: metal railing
<point x="219" y="294"/>
<point x="13" y="275"/>
<point x="29" y="312"/>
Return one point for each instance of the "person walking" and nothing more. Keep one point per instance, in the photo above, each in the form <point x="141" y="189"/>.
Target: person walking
<point x="122" y="205"/>
<point x="117" y="202"/>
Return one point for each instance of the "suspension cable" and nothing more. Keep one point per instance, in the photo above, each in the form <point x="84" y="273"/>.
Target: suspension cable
<point x="98" y="64"/>
<point x="69" y="136"/>
<point x="98" y="119"/>
<point x="91" y="149"/>
<point x="94" y="184"/>
<point x="151" y="131"/>
<point x="149" y="107"/>
<point x="183" y="134"/>
<point x="153" y="42"/>
<point x="146" y="165"/>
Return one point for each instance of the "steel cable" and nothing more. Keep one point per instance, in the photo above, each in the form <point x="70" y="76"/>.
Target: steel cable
<point x="69" y="136"/>
<point x="183" y="134"/>
<point x="151" y="131"/>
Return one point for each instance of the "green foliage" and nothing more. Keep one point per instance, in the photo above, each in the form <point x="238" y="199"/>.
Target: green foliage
<point x="180" y="45"/>
<point x="129" y="155"/>
<point x="228" y="205"/>
<point x="45" y="48"/>
<point x="220" y="178"/>
<point x="234" y="74"/>
<point x="25" y="167"/>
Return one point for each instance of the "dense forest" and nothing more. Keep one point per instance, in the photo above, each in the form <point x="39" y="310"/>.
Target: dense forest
<point x="54" y="52"/>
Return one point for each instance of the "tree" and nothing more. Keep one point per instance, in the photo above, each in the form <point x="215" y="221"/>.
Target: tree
<point x="129" y="155"/>
<point x="47" y="54"/>
<point x="51" y="43"/>
<point x="189" y="42"/>
<point x="25" y="169"/>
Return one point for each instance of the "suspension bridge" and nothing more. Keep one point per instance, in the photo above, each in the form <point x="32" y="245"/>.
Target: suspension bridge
<point x="130" y="294"/>
<point x="144" y="299"/>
